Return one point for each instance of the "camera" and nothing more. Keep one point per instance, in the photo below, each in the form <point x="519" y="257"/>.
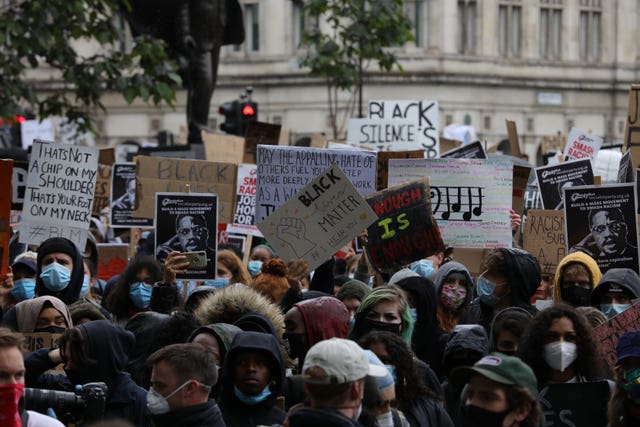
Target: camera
<point x="86" y="404"/>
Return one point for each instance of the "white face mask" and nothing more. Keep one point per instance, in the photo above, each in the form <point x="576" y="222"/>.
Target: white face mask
<point x="385" y="420"/>
<point x="560" y="354"/>
<point x="158" y="404"/>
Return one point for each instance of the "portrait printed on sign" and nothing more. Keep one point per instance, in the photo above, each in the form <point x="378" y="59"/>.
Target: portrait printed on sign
<point x="553" y="179"/>
<point x="123" y="197"/>
<point x="188" y="223"/>
<point x="601" y="222"/>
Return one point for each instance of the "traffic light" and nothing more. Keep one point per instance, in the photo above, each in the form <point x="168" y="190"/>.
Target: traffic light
<point x="232" y="122"/>
<point x="248" y="113"/>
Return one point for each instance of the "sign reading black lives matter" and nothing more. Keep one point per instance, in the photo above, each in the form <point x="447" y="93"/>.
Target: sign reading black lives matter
<point x="59" y="193"/>
<point x="601" y="221"/>
<point x="188" y="223"/>
<point x="123" y="197"/>
<point x="552" y="180"/>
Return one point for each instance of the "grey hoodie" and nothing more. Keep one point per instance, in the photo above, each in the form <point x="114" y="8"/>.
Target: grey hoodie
<point x="451" y="267"/>
<point x="624" y="278"/>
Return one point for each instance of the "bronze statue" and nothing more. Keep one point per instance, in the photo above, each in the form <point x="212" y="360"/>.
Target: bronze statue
<point x="194" y="31"/>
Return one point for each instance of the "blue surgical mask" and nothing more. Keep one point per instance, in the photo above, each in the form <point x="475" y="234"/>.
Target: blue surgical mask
<point x="140" y="294"/>
<point x="485" y="291"/>
<point x="392" y="371"/>
<point x="55" y="277"/>
<point x="611" y="310"/>
<point x="248" y="399"/>
<point x="220" y="282"/>
<point x="424" y="268"/>
<point x="254" y="267"/>
<point x="23" y="289"/>
<point x="85" y="286"/>
<point x="414" y="314"/>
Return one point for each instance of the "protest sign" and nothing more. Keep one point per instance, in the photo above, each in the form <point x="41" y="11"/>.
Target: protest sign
<point x="470" y="258"/>
<point x="112" y="259"/>
<point x="36" y="340"/>
<point x="632" y="130"/>
<point x="610" y="332"/>
<point x="581" y="145"/>
<point x="103" y="189"/>
<point x="520" y="181"/>
<point x="191" y="152"/>
<point x="405" y="230"/>
<point x="601" y="221"/>
<point x="31" y="130"/>
<point x="6" y="170"/>
<point x="575" y="404"/>
<point x="156" y="174"/>
<point x="553" y="179"/>
<point x="123" y="197"/>
<point x="469" y="151"/>
<point x="514" y="141"/>
<point x="384" y="135"/>
<point x="18" y="184"/>
<point x="423" y="113"/>
<point x="223" y="148"/>
<point x="16" y="219"/>
<point x="107" y="156"/>
<point x="245" y="208"/>
<point x="59" y="193"/>
<point x="383" y="164"/>
<point x="320" y="219"/>
<point x="447" y="144"/>
<point x="625" y="169"/>
<point x="283" y="171"/>
<point x="471" y="198"/>
<point x="543" y="237"/>
<point x="187" y="223"/>
<point x="259" y="133"/>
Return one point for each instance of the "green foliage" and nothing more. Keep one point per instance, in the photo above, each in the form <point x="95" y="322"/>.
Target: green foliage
<point x="46" y="34"/>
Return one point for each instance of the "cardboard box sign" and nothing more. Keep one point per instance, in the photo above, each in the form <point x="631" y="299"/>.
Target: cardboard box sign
<point x="223" y="148"/>
<point x="112" y="259"/>
<point x="103" y="189"/>
<point x="544" y="238"/>
<point x="406" y="230"/>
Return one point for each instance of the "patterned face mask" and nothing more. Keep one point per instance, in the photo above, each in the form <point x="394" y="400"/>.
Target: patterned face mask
<point x="453" y="296"/>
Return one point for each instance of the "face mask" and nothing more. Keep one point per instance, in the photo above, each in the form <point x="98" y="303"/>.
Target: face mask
<point x="424" y="268"/>
<point x="374" y="325"/>
<point x="385" y="420"/>
<point x="297" y="344"/>
<point x="218" y="283"/>
<point x="140" y="294"/>
<point x="474" y="416"/>
<point x="577" y="296"/>
<point x="159" y="404"/>
<point x="414" y="314"/>
<point x="611" y="310"/>
<point x="23" y="289"/>
<point x="485" y="292"/>
<point x="453" y="297"/>
<point x="248" y="399"/>
<point x="55" y="277"/>
<point x="10" y="395"/>
<point x="392" y="371"/>
<point x="560" y="354"/>
<point x="254" y="267"/>
<point x="85" y="286"/>
<point x="51" y="329"/>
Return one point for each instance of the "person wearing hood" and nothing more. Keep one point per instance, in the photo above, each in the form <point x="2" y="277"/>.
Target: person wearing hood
<point x="576" y="276"/>
<point x="92" y="352"/>
<point x="351" y="294"/>
<point x="508" y="328"/>
<point x="615" y="291"/>
<point x="455" y="292"/>
<point x="60" y="270"/>
<point x="252" y="378"/>
<point x="42" y="314"/>
<point x="509" y="278"/>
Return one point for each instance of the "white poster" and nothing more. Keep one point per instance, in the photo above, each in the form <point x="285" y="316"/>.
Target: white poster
<point x="582" y="145"/>
<point x="245" y="209"/>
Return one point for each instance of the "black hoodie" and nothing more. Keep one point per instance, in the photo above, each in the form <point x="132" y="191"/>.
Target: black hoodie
<point x="71" y="293"/>
<point x="237" y="413"/>
<point x="624" y="278"/>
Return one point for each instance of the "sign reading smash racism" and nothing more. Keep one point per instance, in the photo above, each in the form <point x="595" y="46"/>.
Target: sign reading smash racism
<point x="405" y="230"/>
<point x="245" y="209"/>
<point x="581" y="145"/>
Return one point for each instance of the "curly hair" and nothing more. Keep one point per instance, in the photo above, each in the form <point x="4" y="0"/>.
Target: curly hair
<point x="118" y="301"/>
<point x="239" y="273"/>
<point x="410" y="384"/>
<point x="589" y="361"/>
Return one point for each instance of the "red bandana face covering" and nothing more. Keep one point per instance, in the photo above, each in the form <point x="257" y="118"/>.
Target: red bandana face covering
<point x="10" y="395"/>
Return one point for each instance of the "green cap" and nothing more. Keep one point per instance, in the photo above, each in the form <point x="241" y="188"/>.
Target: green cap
<point x="503" y="369"/>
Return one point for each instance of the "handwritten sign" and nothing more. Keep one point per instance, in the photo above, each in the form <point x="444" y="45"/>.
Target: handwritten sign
<point x="553" y="179"/>
<point x="610" y="332"/>
<point x="103" y="189"/>
<point x="18" y="184"/>
<point x="123" y="197"/>
<point x="322" y="217"/>
<point x="283" y="171"/>
<point x="582" y="145"/>
<point x="59" y="193"/>
<point x="469" y="151"/>
<point x="632" y="130"/>
<point x="156" y="174"/>
<point x="245" y="209"/>
<point x="575" y="404"/>
<point x="471" y="198"/>
<point x="6" y="170"/>
<point x="36" y="340"/>
<point x="112" y="259"/>
<point x="544" y="238"/>
<point x="405" y="230"/>
<point x="383" y="164"/>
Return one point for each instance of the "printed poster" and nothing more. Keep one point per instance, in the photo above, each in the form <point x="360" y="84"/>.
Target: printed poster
<point x="123" y="197"/>
<point x="475" y="150"/>
<point x="581" y="145"/>
<point x="245" y="208"/>
<point x="553" y="179"/>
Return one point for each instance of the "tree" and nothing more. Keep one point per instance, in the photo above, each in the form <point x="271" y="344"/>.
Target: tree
<point x="359" y="32"/>
<point x="52" y="33"/>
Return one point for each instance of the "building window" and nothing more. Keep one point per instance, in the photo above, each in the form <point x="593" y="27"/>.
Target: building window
<point x="301" y="22"/>
<point x="417" y="14"/>
<point x="487" y="122"/>
<point x="509" y="27"/>
<point x="467" y="11"/>
<point x="550" y="29"/>
<point x="252" y="27"/>
<point x="590" y="29"/>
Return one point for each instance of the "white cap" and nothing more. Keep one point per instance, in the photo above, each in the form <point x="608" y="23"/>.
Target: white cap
<point x="343" y="361"/>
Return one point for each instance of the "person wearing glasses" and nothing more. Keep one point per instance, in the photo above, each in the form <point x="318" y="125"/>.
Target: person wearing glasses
<point x="191" y="235"/>
<point x="607" y="236"/>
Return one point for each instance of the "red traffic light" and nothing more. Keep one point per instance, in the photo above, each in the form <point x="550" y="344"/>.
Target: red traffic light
<point x="19" y="119"/>
<point x="248" y="110"/>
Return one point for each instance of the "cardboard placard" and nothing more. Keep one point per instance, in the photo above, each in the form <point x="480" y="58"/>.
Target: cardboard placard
<point x="469" y="151"/>
<point x="18" y="184"/>
<point x="190" y="152"/>
<point x="103" y="189"/>
<point x="112" y="259"/>
<point x="544" y="238"/>
<point x="6" y="171"/>
<point x="610" y="332"/>
<point x="223" y="148"/>
<point x="514" y="141"/>
<point x="385" y="135"/>
<point x="59" y="195"/>
<point x="405" y="230"/>
<point x="36" y="340"/>
<point x="471" y="198"/>
<point x="283" y="171"/>
<point x="123" y="197"/>
<point x="575" y="404"/>
<point x="259" y="133"/>
<point x="245" y="208"/>
<point x="625" y="169"/>
<point x="187" y="223"/>
<point x="318" y="141"/>
<point x="320" y="219"/>
<point x="553" y="179"/>
<point x="551" y="143"/>
<point x="107" y="156"/>
<point x="581" y="145"/>
<point x="470" y="258"/>
<point x="632" y="130"/>
<point x="520" y="181"/>
<point x="383" y="164"/>
<point x="601" y="221"/>
<point x="447" y="144"/>
<point x="156" y="174"/>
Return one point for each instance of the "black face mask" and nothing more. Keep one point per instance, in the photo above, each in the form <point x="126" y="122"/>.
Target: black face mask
<point x="51" y="329"/>
<point x="577" y="296"/>
<point x="474" y="416"/>
<point x="375" y="325"/>
<point x="297" y="345"/>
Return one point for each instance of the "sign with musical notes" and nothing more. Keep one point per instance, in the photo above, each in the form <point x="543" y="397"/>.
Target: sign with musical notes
<point x="471" y="198"/>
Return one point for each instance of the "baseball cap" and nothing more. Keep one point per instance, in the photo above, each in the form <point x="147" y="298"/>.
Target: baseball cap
<point x="628" y="346"/>
<point x="27" y="262"/>
<point x="343" y="361"/>
<point x="503" y="369"/>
